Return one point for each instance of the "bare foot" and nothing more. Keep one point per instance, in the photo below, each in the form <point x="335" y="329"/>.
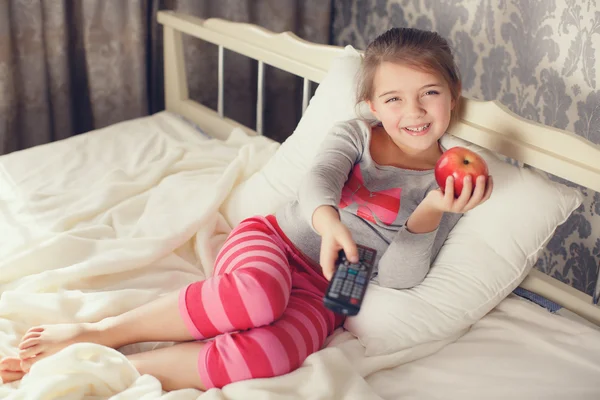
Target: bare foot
<point x="10" y="369"/>
<point x="43" y="341"/>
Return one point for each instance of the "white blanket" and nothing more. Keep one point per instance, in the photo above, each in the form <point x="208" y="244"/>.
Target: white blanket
<point x="101" y="223"/>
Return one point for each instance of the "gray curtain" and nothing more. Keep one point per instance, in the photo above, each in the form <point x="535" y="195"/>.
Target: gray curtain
<point x="70" y="66"/>
<point x="539" y="58"/>
<point x="67" y="67"/>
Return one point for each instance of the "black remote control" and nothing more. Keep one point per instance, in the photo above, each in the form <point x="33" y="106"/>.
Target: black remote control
<point x="349" y="283"/>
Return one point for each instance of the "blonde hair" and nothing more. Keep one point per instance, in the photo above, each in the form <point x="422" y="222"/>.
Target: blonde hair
<point x="415" y="48"/>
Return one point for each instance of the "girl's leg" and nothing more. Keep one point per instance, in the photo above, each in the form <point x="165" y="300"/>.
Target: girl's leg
<point x="176" y="367"/>
<point x="251" y="284"/>
<point x="267" y="351"/>
<point x="271" y="350"/>
<point x="152" y="322"/>
<point x="250" y="288"/>
<point x="263" y="352"/>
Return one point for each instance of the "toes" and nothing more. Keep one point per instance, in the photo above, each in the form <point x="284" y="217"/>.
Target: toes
<point x="34" y="341"/>
<point x="30" y="351"/>
<point x="32" y="333"/>
<point x="10" y="369"/>
<point x="10" y="364"/>
<point x="11" y="376"/>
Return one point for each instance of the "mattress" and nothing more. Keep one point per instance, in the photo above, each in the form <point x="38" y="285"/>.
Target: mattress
<point x="518" y="351"/>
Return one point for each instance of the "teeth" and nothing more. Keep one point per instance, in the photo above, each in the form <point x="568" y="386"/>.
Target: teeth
<point x="418" y="129"/>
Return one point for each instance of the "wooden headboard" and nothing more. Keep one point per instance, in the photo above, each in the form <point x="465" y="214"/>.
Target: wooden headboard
<point x="485" y="123"/>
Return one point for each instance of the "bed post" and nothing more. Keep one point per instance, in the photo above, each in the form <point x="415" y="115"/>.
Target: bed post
<point x="176" y="90"/>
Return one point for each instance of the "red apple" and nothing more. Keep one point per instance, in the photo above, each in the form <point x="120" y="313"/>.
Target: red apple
<point x="459" y="162"/>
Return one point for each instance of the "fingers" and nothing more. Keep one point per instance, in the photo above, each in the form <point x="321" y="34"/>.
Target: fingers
<point x="340" y="238"/>
<point x="482" y="192"/>
<point x="478" y="193"/>
<point x="329" y="254"/>
<point x="350" y="249"/>
<point x="449" y="193"/>
<point x="465" y="194"/>
<point x="490" y="188"/>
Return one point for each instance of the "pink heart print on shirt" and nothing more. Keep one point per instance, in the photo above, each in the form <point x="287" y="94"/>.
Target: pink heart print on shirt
<point x="383" y="205"/>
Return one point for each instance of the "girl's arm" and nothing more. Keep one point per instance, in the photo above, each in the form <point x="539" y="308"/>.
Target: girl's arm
<point x="408" y="258"/>
<point x="322" y="185"/>
<point x="321" y="189"/>
<point x="428" y="214"/>
<point x="334" y="237"/>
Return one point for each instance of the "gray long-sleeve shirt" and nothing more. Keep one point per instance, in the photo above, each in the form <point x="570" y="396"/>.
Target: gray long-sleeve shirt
<point x="374" y="202"/>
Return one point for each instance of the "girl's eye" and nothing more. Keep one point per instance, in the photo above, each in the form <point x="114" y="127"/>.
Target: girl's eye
<point x="431" y="92"/>
<point x="392" y="99"/>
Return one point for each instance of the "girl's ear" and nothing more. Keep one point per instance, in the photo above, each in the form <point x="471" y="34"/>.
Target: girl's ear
<point x="454" y="101"/>
<point x="372" y="108"/>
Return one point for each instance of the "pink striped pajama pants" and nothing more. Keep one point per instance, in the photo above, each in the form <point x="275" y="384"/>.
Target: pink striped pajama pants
<point x="263" y="306"/>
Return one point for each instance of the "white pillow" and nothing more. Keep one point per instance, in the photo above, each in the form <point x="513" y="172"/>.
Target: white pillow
<point x="333" y="102"/>
<point x="485" y="257"/>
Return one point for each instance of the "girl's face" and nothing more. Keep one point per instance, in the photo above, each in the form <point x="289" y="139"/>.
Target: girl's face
<point x="413" y="105"/>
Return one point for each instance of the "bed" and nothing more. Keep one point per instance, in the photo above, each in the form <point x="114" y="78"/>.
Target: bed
<point x="100" y="223"/>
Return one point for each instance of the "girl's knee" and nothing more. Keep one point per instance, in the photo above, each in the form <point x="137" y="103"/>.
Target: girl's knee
<point x="265" y="297"/>
<point x="241" y="356"/>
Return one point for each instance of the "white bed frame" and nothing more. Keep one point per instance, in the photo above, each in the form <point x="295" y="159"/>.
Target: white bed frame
<point x="487" y="124"/>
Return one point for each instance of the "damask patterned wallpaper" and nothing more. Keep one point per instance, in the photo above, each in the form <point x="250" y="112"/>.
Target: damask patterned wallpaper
<point x="536" y="57"/>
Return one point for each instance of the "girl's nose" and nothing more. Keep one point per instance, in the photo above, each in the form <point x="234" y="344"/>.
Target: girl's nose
<point x="414" y="109"/>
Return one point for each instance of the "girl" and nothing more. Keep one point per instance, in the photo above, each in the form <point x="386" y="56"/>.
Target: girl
<point x="372" y="183"/>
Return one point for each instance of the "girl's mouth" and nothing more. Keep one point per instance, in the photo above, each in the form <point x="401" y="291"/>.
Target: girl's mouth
<point x="417" y="130"/>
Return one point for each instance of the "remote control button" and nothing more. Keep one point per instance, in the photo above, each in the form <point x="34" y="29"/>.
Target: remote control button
<point x="353" y="301"/>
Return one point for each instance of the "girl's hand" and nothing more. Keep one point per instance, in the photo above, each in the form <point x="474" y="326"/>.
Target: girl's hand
<point x="469" y="198"/>
<point x="335" y="236"/>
